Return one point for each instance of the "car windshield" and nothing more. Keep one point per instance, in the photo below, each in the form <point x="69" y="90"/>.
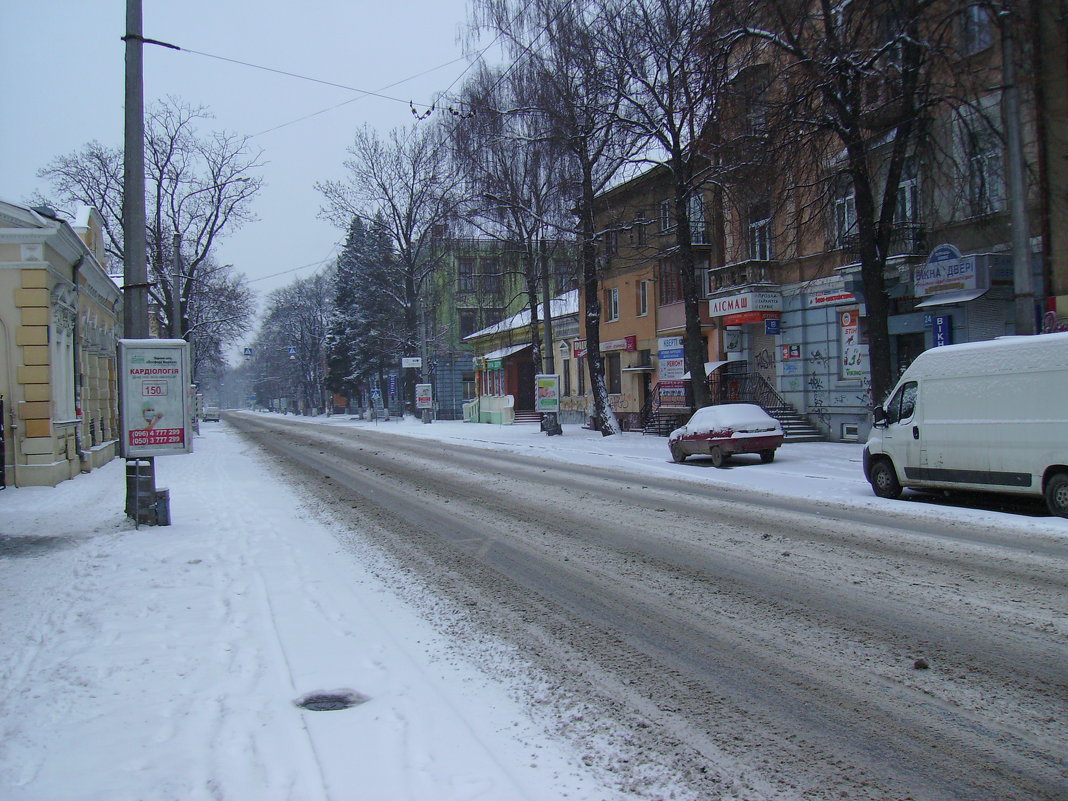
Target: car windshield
<point x="729" y="416"/>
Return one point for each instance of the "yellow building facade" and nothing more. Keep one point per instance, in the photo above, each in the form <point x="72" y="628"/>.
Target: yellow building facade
<point x="60" y="317"/>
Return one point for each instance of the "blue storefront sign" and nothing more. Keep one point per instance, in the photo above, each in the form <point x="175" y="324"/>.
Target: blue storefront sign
<point x="943" y="330"/>
<point x="772" y="327"/>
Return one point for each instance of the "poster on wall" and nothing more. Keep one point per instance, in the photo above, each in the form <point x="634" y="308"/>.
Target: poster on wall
<point x="155" y="397"/>
<point x="854" y="351"/>
<point x="670" y="358"/>
<point x="547" y="393"/>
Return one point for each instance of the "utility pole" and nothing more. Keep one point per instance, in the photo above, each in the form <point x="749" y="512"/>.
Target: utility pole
<point x="140" y="472"/>
<point x="1023" y="283"/>
<point x="135" y="270"/>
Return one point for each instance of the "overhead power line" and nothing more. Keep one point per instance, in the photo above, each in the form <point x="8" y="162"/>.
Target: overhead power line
<point x="249" y="64"/>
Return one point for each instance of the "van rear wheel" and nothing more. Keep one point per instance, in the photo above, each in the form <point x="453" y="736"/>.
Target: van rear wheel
<point x="1057" y="494"/>
<point x="884" y="480"/>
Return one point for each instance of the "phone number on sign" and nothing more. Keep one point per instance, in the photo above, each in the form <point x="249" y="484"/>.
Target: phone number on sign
<point x="162" y="436"/>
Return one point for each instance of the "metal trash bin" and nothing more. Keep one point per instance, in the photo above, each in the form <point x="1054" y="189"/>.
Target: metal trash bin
<point x="163" y="507"/>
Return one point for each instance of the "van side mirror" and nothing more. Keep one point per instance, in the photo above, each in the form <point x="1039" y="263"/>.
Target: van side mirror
<point x="879" y="416"/>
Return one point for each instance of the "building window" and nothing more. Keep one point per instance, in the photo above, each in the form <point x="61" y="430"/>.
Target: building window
<point x="845" y="213"/>
<point x="760" y="231"/>
<point x="666" y="221"/>
<point x="643" y="298"/>
<point x="491" y="277"/>
<point x="468" y="321"/>
<point x="976" y="30"/>
<point x="698" y="224"/>
<point x="670" y="283"/>
<point x="613" y="374"/>
<point x="982" y="156"/>
<point x="611" y="242"/>
<point x="611" y="305"/>
<point x="491" y="316"/>
<point x="466" y="271"/>
<point x="641" y="237"/>
<point x="564" y="271"/>
<point x="906" y="211"/>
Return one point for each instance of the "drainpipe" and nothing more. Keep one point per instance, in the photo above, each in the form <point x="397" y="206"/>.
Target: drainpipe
<point x="13" y="424"/>
<point x="82" y="455"/>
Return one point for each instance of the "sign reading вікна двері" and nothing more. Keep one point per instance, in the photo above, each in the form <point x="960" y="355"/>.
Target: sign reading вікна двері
<point x="154" y="396"/>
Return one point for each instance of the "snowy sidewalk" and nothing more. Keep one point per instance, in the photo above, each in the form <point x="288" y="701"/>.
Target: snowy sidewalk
<point x="163" y="663"/>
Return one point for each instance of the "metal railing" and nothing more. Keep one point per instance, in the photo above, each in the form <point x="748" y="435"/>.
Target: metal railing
<point x="744" y="388"/>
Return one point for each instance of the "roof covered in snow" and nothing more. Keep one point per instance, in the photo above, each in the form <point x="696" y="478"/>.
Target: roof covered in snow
<point x="563" y="306"/>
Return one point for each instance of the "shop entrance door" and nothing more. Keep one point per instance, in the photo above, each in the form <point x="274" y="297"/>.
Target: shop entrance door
<point x="906" y="348"/>
<point x="524" y="398"/>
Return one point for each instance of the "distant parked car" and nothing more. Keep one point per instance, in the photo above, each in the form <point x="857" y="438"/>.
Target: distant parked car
<point x="724" y="430"/>
<point x="211" y="413"/>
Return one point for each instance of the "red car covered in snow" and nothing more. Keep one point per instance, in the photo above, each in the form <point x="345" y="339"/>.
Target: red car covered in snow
<point x="722" y="431"/>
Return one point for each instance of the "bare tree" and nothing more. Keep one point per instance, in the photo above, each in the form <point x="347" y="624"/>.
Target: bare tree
<point x="220" y="311"/>
<point x="854" y="83"/>
<point x="673" y="83"/>
<point x="290" y="348"/>
<point x="200" y="186"/>
<point x="404" y="184"/>
<point x="515" y="178"/>
<point x="578" y="98"/>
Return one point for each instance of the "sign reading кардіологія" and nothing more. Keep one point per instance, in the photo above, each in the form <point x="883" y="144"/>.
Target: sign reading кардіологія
<point x="154" y="380"/>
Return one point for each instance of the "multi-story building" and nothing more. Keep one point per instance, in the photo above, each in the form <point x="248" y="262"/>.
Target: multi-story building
<point x="791" y="230"/>
<point x="60" y="317"/>
<point x="479" y="283"/>
<point x="643" y="315"/>
<point x="784" y="312"/>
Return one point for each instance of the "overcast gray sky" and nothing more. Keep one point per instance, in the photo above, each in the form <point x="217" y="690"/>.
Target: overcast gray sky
<point x="62" y="67"/>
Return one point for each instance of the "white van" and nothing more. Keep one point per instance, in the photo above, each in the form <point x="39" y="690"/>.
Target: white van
<point x="989" y="416"/>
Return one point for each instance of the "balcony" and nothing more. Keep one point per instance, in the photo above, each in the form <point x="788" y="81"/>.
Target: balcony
<point x="742" y="274"/>
<point x="905" y="240"/>
<point x="742" y="156"/>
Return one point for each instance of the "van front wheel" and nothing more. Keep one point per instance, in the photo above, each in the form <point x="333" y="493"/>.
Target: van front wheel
<point x="884" y="480"/>
<point x="1057" y="494"/>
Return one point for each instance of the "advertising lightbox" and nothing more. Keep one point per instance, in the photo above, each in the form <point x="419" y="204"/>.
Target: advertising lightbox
<point x="154" y="381"/>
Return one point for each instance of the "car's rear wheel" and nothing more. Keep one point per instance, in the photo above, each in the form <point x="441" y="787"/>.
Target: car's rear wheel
<point x="717" y="455"/>
<point x="884" y="480"/>
<point x="1057" y="494"/>
<point x="767" y="456"/>
<point x="677" y="454"/>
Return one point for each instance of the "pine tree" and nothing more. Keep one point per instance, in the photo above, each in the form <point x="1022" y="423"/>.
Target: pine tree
<point x="366" y="326"/>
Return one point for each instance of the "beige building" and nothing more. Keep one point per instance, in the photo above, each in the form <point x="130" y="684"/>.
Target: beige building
<point x="60" y="316"/>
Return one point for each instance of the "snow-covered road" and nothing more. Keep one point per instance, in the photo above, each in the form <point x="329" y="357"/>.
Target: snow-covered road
<point x="752" y="646"/>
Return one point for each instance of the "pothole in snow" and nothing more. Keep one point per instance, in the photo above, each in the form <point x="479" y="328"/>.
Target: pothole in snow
<point x="331" y="701"/>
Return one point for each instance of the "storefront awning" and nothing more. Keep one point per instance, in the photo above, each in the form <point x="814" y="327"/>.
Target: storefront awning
<point x="710" y="366"/>
<point x="503" y="353"/>
<point x="947" y="298"/>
